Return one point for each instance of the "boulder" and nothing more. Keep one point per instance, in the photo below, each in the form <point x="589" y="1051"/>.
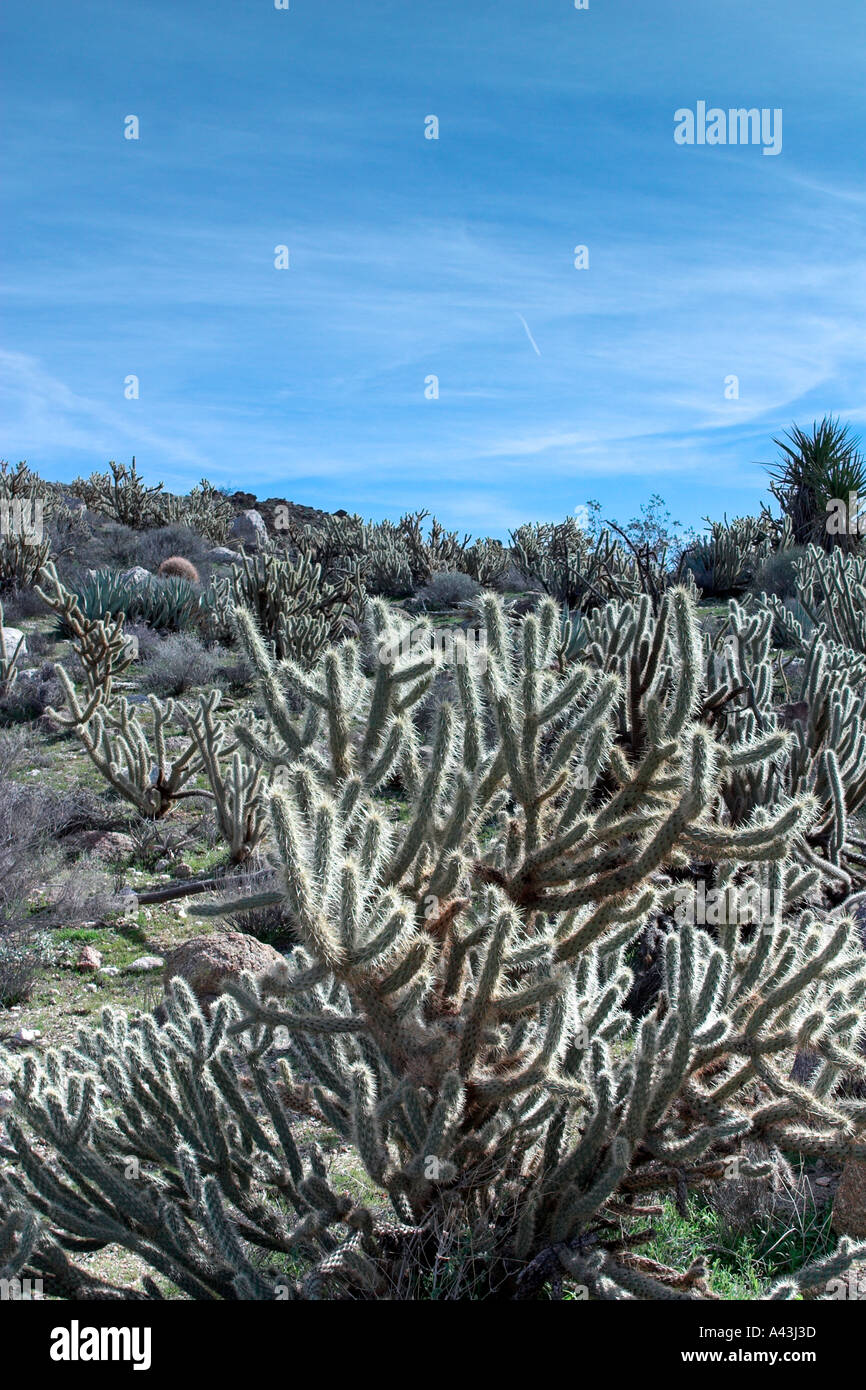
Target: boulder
<point x="108" y="843"/>
<point x="89" y="960"/>
<point x="142" y="964"/>
<point x="11" y="638"/>
<point x="222" y="555"/>
<point x="208" y="962"/>
<point x="137" y="575"/>
<point x="849" y="1204"/>
<point x="249" y="527"/>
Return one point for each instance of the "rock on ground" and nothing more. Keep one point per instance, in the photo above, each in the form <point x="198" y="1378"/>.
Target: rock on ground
<point x="207" y="962"/>
<point x="849" y="1205"/>
<point x="11" y="636"/>
<point x="249" y="527"/>
<point x="144" y="963"/>
<point x="89" y="959"/>
<point x="110" y="843"/>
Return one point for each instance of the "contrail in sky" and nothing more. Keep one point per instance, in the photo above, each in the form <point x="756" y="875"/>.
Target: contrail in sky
<point x="529" y="335"/>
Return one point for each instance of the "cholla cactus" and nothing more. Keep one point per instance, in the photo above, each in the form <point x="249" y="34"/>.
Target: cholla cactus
<point x="295" y="609"/>
<point x="205" y="509"/>
<point x="726" y="560"/>
<point x="456" y="1008"/>
<point x="236" y="785"/>
<point x="825" y="755"/>
<point x="486" y="561"/>
<point x="103" y="650"/>
<point x="122" y="494"/>
<point x="832" y="590"/>
<point x="390" y="558"/>
<point x="822" y="755"/>
<point x="137" y="766"/>
<point x="23" y="547"/>
<point x="439" y="550"/>
<point x="578" y="570"/>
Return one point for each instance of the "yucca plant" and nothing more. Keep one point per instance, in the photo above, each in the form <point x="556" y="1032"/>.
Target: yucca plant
<point x="817" y="467"/>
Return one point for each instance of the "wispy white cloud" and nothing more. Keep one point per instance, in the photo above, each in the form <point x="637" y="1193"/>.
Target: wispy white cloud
<point x="411" y="257"/>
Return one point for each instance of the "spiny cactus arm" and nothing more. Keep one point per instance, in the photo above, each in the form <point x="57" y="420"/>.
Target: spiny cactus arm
<point x="755" y="751"/>
<point x="420" y="826"/>
<point x="79" y="715"/>
<point x="614" y="912"/>
<point x="238" y="791"/>
<point x="625" y="877"/>
<point x="318" y="933"/>
<point x="818" y="1274"/>
<point x="476" y="1017"/>
<point x="765" y="839"/>
<point x="266" y="671"/>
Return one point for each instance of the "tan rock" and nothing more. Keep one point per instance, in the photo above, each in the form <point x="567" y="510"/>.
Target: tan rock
<point x="849" y="1204"/>
<point x="109" y="843"/>
<point x="89" y="960"/>
<point x="207" y="962"/>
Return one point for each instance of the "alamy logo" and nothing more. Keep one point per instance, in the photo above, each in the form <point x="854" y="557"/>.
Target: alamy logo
<point x="77" y="1343"/>
<point x="22" y="517"/>
<point x="846" y="518"/>
<point x="458" y="648"/>
<point x="736" y="126"/>
<point x="20" y="1290"/>
<point x="751" y="904"/>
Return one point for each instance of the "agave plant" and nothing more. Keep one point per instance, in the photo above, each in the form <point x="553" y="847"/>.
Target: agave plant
<point x="817" y="467"/>
<point x="167" y="605"/>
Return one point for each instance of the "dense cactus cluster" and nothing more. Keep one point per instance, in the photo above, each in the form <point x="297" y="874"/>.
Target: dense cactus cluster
<point x="456" y="1008"/>
<point x="576" y="569"/>
<point x="832" y="593"/>
<point x="295" y="608"/>
<point x="24" y="501"/>
<point x="726" y="561"/>
<point x="390" y="558"/>
<point x="468" y="834"/>
<point x="122" y="495"/>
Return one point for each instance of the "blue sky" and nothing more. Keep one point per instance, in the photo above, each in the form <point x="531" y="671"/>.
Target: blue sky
<point x="412" y="257"/>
